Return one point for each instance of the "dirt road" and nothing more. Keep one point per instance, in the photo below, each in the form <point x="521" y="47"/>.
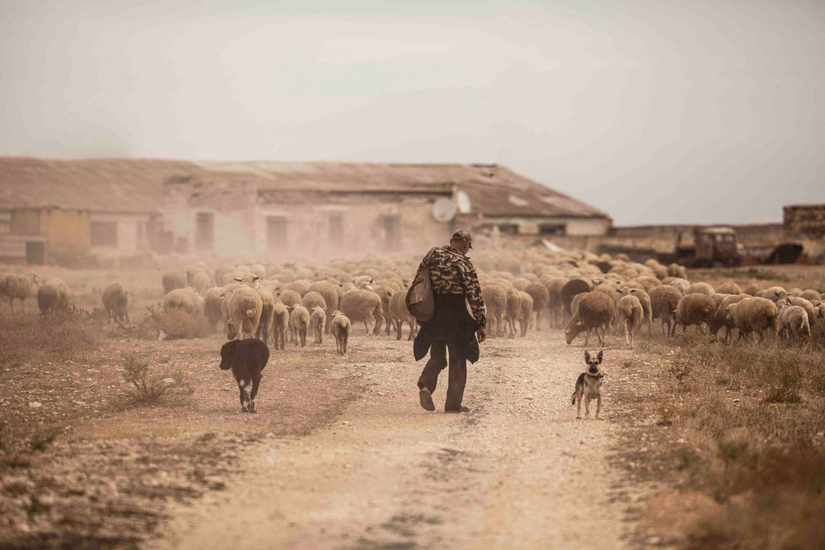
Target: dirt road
<point x="517" y="471"/>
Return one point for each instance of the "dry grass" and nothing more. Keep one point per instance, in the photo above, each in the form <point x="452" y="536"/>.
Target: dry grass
<point x="146" y="390"/>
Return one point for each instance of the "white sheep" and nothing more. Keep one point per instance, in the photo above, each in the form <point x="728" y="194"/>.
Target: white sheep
<point x="793" y="320"/>
<point x="317" y="322"/>
<point x="18" y="287"/>
<point x="753" y="315"/>
<point x="340" y="327"/>
<point x="244" y="307"/>
<point x="629" y="314"/>
<point x="299" y="323"/>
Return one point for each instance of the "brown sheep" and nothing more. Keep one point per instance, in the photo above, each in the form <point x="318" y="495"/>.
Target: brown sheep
<point x="330" y="295"/>
<point x="513" y="310"/>
<point x="644" y="300"/>
<point x="774" y="293"/>
<point x="116" y="302"/>
<point x="340" y="327"/>
<point x="280" y="323"/>
<point x="541" y="300"/>
<point x="184" y="299"/>
<point x="299" y="324"/>
<point x="401" y="315"/>
<point x="212" y="306"/>
<point x="629" y="315"/>
<point x="317" y="321"/>
<point x="19" y="287"/>
<point x="729" y="287"/>
<point x="495" y="300"/>
<point x="53" y="297"/>
<point x="526" y="312"/>
<point x="695" y="309"/>
<point x="663" y="302"/>
<point x="245" y="307"/>
<point x="267" y="313"/>
<point x="700" y="288"/>
<point x="753" y="315"/>
<point x="720" y="319"/>
<point x="363" y="305"/>
<point x="595" y="310"/>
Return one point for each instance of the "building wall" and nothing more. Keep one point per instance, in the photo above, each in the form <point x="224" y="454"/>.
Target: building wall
<point x="132" y="230"/>
<point x="806" y="220"/>
<point x="573" y="227"/>
<point x="66" y="230"/>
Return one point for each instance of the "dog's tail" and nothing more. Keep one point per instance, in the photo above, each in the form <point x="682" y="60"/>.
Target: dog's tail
<point x="574" y="398"/>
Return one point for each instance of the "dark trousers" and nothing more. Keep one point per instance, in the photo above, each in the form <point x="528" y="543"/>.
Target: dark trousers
<point x="457" y="374"/>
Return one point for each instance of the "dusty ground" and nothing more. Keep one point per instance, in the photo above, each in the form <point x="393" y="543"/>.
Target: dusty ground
<point x="517" y="471"/>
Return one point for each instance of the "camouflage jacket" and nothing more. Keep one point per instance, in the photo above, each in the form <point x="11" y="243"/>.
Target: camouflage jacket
<point x="451" y="272"/>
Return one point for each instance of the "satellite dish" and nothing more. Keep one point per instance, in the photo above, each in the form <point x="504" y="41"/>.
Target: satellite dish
<point x="463" y="201"/>
<point x="443" y="210"/>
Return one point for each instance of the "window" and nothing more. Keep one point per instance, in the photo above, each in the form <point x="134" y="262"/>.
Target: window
<point x="508" y="228"/>
<point x="104" y="233"/>
<point x="204" y="231"/>
<point x="276" y="232"/>
<point x="551" y="229"/>
<point x="336" y="228"/>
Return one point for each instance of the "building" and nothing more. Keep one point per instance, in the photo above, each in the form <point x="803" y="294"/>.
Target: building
<point x="804" y="220"/>
<point x="278" y="209"/>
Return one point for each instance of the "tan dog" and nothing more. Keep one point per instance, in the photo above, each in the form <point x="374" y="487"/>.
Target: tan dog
<point x="589" y="385"/>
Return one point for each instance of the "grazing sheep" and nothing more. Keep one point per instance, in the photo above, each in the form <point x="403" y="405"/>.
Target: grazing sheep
<point x="629" y="314"/>
<point x="329" y="293"/>
<point x="299" y="324"/>
<point x="247" y="359"/>
<point x="809" y="308"/>
<point x="647" y="308"/>
<point x="53" y="296"/>
<point x="267" y="312"/>
<point x="185" y="299"/>
<point x="317" y="321"/>
<point x="676" y="270"/>
<point x="340" y="327"/>
<point x="116" y="302"/>
<point x="300" y="286"/>
<point x="720" y="318"/>
<point x="18" y="287"/>
<point x="695" y="309"/>
<point x="555" y="304"/>
<point x="811" y="295"/>
<point x="753" y="315"/>
<point x="280" y="324"/>
<point x="385" y="293"/>
<point x="793" y="321"/>
<point x="201" y="282"/>
<point x="526" y="312"/>
<point x="245" y="307"/>
<point x="595" y="310"/>
<point x="400" y="313"/>
<point x="648" y="283"/>
<point x="495" y="300"/>
<point x="311" y="300"/>
<point x="729" y="287"/>
<point x="541" y="300"/>
<point x="663" y="302"/>
<point x="774" y="293"/>
<point x="290" y="298"/>
<point x="173" y="280"/>
<point x="212" y="306"/>
<point x="700" y="288"/>
<point x="363" y="305"/>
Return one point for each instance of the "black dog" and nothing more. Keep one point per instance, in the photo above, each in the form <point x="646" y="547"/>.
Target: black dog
<point x="247" y="359"/>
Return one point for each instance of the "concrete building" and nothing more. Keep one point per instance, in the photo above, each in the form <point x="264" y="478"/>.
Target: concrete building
<point x="276" y="209"/>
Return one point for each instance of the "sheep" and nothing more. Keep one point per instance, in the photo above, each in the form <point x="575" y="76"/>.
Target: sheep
<point x="682" y="284"/>
<point x="720" y="318"/>
<point x="595" y="310"/>
<point x="212" y="306"/>
<point x="290" y="298"/>
<point x="116" y="302"/>
<point x="570" y="289"/>
<point x="173" y="280"/>
<point x="299" y="324"/>
<point x="809" y="308"/>
<point x="280" y="323"/>
<point x="267" y="312"/>
<point x="384" y="292"/>
<point x="648" y="283"/>
<point x="317" y="321"/>
<point x="363" y="305"/>
<point x="184" y="299"/>
<point x="700" y="288"/>
<point x="244" y="307"/>
<point x="340" y="327"/>
<point x="311" y="300"/>
<point x="541" y="300"/>
<point x="495" y="301"/>
<point x="513" y="311"/>
<point x="663" y="302"/>
<point x="644" y="300"/>
<point x="19" y="287"/>
<point x="247" y="359"/>
<point x="328" y="292"/>
<point x="729" y="287"/>
<point x="676" y="270"/>
<point x="695" y="309"/>
<point x="555" y="304"/>
<point x="53" y="297"/>
<point x="300" y="286"/>
<point x="753" y="315"/>
<point x="811" y="295"/>
<point x="526" y="312"/>
<point x="793" y="321"/>
<point x="774" y="293"/>
<point x="400" y="313"/>
<point x="201" y="282"/>
<point x="629" y="314"/>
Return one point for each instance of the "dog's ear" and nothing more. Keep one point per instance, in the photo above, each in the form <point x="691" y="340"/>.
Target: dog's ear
<point x="586" y="356"/>
<point x="600" y="356"/>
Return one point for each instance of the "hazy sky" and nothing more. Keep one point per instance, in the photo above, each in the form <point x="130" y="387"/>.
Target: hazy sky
<point x="654" y="111"/>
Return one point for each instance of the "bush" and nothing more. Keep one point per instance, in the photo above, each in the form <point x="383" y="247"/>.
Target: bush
<point x="151" y="390"/>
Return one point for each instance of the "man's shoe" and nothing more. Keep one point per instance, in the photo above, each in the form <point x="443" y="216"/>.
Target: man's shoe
<point x="461" y="410"/>
<point x="426" y="399"/>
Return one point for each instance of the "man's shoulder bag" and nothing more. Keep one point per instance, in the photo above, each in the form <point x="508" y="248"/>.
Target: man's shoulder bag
<point x="420" y="302"/>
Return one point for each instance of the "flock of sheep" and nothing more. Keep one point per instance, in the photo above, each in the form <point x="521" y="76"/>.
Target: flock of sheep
<point x="525" y="289"/>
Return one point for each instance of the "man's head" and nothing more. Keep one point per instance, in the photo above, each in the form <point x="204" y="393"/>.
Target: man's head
<point x="462" y="241"/>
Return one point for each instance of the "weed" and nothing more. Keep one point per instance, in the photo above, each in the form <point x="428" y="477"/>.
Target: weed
<point x="149" y="390"/>
<point x="41" y="439"/>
